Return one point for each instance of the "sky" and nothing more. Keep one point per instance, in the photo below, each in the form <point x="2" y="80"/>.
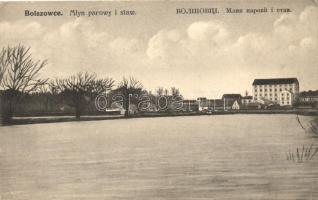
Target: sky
<point x="202" y="55"/>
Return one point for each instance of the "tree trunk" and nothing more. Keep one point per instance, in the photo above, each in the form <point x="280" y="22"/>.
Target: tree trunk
<point x="78" y="113"/>
<point x="8" y="100"/>
<point x="6" y="115"/>
<point x="126" y="100"/>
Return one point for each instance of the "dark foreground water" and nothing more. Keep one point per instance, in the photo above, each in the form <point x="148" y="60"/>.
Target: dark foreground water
<point x="201" y="157"/>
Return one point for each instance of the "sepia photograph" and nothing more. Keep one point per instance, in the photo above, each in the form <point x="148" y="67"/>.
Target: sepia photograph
<point x="159" y="100"/>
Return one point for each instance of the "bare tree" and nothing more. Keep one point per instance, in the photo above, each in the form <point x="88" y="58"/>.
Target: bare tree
<point x="159" y="91"/>
<point x="21" y="76"/>
<point x="175" y="91"/>
<point x="128" y="87"/>
<point x="5" y="58"/>
<point x="22" y="71"/>
<point x="79" y="90"/>
<point x="166" y="92"/>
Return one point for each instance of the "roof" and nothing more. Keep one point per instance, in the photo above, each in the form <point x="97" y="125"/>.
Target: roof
<point x="273" y="81"/>
<point x="212" y="102"/>
<point x="189" y="101"/>
<point x="231" y="96"/>
<point x="309" y="93"/>
<point x="247" y="97"/>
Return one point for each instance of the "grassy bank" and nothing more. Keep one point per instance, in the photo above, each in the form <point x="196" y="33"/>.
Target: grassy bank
<point x="55" y="119"/>
<point x="67" y="118"/>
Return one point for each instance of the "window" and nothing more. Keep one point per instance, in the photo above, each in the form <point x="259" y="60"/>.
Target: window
<point x="270" y="94"/>
<point x="275" y="90"/>
<point x="255" y="90"/>
<point x="265" y="90"/>
<point x="265" y="95"/>
<point x="280" y="89"/>
<point x="270" y="90"/>
<point x="260" y="90"/>
<point x="282" y="94"/>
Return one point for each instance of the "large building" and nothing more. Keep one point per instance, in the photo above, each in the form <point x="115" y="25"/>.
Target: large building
<point x="282" y="91"/>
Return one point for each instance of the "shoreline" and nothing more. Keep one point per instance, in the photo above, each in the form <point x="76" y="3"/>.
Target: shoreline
<point x="68" y="118"/>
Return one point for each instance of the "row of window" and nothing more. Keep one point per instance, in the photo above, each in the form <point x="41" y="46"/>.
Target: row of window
<point x="287" y="102"/>
<point x="283" y="100"/>
<point x="272" y="99"/>
<point x="269" y="86"/>
<point x="265" y="95"/>
<point x="283" y="94"/>
<point x="265" y="90"/>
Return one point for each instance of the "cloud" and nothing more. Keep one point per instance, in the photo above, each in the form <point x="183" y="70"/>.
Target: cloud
<point x="164" y="44"/>
<point x="209" y="57"/>
<point x="16" y="32"/>
<point x="121" y="46"/>
<point x="211" y="32"/>
<point x="213" y="50"/>
<point x="76" y="45"/>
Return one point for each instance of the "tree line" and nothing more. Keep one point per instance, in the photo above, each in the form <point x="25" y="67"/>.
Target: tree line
<point x="20" y="79"/>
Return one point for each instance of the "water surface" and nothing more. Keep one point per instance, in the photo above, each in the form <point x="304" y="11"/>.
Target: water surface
<point x="198" y="157"/>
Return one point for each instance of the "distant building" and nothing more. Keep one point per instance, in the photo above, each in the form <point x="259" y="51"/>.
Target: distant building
<point x="308" y="96"/>
<point x="282" y="91"/>
<point x="246" y="100"/>
<point x="236" y="105"/>
<point x="190" y="105"/>
<point x="205" y="104"/>
<point x="221" y="104"/>
<point x="115" y="106"/>
<point x="231" y="97"/>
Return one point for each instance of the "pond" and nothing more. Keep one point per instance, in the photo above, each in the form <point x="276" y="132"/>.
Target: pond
<point x="193" y="157"/>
